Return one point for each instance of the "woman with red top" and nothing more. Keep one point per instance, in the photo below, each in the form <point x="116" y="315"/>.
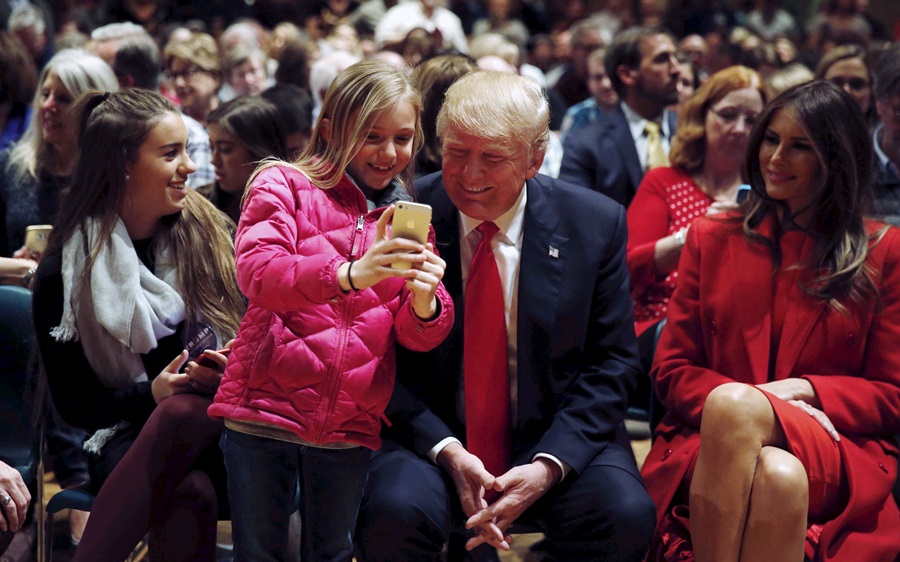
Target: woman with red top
<point x="779" y="362"/>
<point x="713" y="128"/>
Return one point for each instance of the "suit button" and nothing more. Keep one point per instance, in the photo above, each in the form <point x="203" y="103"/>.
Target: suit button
<point x="882" y="467"/>
<point x="666" y="454"/>
<point x="851" y="340"/>
<point x="713" y="328"/>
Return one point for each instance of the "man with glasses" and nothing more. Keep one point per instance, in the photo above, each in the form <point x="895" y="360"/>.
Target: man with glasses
<point x="612" y="154"/>
<point x="886" y="136"/>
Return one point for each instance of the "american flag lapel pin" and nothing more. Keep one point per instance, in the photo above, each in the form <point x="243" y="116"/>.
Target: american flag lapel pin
<point x="554" y="253"/>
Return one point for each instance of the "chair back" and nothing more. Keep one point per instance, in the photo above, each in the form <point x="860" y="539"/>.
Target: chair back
<point x="20" y="447"/>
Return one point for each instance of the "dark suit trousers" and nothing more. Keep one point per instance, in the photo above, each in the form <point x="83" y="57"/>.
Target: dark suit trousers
<point x="410" y="507"/>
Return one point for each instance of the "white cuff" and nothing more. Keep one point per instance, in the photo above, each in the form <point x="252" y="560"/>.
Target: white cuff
<point x="563" y="467"/>
<point x="433" y="453"/>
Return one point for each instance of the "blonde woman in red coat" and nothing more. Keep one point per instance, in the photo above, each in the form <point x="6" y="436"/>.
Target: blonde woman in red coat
<point x="779" y="364"/>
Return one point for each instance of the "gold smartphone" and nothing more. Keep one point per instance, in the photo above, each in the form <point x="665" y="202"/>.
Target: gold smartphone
<point x="36" y="237"/>
<point x="410" y="221"/>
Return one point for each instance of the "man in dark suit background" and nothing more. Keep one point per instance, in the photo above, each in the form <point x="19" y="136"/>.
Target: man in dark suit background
<point x="886" y="137"/>
<point x="612" y="154"/>
<point x="568" y="357"/>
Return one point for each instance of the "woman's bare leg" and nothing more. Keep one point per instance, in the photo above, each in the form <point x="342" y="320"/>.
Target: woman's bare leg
<point x="779" y="502"/>
<point x="738" y="422"/>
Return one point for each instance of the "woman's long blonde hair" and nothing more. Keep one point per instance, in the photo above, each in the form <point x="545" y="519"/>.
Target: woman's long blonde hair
<point x="112" y="129"/>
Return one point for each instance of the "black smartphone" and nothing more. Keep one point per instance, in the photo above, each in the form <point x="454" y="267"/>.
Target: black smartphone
<point x="208" y="362"/>
<point x="743" y="192"/>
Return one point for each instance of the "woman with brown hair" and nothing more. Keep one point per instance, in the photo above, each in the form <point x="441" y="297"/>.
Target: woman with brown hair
<point x="778" y="363"/>
<point x="139" y="268"/>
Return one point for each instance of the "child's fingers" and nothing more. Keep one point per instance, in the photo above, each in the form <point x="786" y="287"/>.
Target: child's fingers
<point x="383" y="220"/>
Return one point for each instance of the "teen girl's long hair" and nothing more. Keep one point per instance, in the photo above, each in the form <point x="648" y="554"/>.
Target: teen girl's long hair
<point x="112" y="127"/>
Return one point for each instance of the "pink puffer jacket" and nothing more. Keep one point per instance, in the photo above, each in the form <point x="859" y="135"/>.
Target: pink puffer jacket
<point x="309" y="358"/>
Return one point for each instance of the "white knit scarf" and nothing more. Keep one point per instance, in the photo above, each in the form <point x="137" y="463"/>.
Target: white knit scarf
<point x="120" y="311"/>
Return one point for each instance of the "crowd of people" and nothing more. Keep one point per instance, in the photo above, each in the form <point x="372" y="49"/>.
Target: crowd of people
<point x="685" y="203"/>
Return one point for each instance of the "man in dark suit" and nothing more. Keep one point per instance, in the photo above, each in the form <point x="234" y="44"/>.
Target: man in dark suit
<point x="612" y="154"/>
<point x="886" y="137"/>
<point x="567" y="357"/>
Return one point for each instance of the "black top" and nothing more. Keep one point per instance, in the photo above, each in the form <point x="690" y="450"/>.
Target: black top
<point x="25" y="200"/>
<point x="82" y="400"/>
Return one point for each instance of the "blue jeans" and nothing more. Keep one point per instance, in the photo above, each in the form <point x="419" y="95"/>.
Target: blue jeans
<point x="262" y="484"/>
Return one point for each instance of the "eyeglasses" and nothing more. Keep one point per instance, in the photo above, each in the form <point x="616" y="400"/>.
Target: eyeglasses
<point x="855" y="84"/>
<point x="730" y="116"/>
<point x="187" y="73"/>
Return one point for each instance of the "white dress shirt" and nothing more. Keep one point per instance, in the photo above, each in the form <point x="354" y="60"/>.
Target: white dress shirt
<point x="507" y="248"/>
<point x="637" y="126"/>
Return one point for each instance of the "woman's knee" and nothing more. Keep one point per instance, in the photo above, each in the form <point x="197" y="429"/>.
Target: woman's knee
<point x="780" y="483"/>
<point x="734" y="412"/>
<point x="196" y="491"/>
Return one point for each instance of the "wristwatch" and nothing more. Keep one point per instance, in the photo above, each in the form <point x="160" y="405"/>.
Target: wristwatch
<point x="29" y="275"/>
<point x="680" y="237"/>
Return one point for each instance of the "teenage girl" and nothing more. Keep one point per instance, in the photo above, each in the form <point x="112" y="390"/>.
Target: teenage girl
<point x="312" y="367"/>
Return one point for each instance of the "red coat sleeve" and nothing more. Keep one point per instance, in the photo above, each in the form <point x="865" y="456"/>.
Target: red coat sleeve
<point x="648" y="221"/>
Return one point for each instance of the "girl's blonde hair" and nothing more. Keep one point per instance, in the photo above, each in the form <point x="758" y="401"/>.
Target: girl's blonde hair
<point x="354" y="102"/>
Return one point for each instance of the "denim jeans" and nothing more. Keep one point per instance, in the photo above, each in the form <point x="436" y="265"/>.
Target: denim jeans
<point x="262" y="483"/>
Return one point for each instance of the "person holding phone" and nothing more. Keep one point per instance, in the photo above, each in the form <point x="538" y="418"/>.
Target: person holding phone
<point x="138" y="267"/>
<point x="778" y="363"/>
<point x="518" y="417"/>
<point x="713" y="128"/>
<point x="312" y="367"/>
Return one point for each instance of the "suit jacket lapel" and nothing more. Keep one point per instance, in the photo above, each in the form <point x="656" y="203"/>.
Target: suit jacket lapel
<point x="617" y="125"/>
<point x="543" y="262"/>
<point x="446" y="231"/>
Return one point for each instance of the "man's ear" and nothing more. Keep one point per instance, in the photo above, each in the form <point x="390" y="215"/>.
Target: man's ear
<point x="325" y="129"/>
<point x="627" y="75"/>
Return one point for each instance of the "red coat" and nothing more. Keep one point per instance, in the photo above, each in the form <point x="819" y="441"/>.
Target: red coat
<point x="718" y="331"/>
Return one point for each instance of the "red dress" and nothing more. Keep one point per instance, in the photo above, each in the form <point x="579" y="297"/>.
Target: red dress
<point x="730" y="319"/>
<point x="666" y="201"/>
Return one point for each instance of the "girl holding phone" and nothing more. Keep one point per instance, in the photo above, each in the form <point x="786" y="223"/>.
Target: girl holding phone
<point x="312" y="367"/>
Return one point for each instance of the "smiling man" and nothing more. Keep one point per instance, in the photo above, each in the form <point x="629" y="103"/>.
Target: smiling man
<point x="887" y="136"/>
<point x="517" y="418"/>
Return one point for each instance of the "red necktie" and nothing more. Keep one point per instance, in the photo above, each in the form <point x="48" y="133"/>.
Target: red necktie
<point x="488" y="431"/>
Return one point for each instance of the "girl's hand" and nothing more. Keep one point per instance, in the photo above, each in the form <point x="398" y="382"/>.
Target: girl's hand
<point x="205" y="374"/>
<point x="424" y="284"/>
<point x="170" y="381"/>
<point x="375" y="265"/>
<point x="819" y="416"/>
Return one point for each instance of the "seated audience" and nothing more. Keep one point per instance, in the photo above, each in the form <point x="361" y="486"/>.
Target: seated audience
<point x="18" y="82"/>
<point x="432" y="77"/>
<point x="707" y="152"/>
<point x="194" y="69"/>
<point x="886" y="136"/>
<point x="294" y="106"/>
<point x="242" y="132"/>
<point x="603" y="99"/>
<point x="847" y="66"/>
<point x="137" y="63"/>
<point x="246" y="71"/>
<point x="778" y="363"/>
<point x="139" y="268"/>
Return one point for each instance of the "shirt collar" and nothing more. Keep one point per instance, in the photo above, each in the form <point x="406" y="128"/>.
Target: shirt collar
<point x="882" y="157"/>
<point x="510" y="223"/>
<point x="636" y="123"/>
